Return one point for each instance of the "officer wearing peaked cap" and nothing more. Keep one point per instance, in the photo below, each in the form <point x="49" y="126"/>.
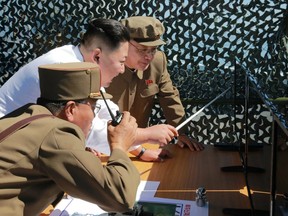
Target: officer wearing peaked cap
<point x="146" y="31"/>
<point x="46" y="156"/>
<point x="70" y="81"/>
<point x="146" y="78"/>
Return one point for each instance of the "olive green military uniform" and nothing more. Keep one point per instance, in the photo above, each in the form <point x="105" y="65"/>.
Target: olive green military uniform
<point x="47" y="157"/>
<point x="135" y="92"/>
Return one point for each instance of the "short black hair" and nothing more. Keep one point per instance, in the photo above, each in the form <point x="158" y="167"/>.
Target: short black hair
<point x="110" y="31"/>
<point x="53" y="106"/>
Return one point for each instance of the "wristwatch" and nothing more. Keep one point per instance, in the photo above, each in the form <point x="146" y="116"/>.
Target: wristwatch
<point x="141" y="153"/>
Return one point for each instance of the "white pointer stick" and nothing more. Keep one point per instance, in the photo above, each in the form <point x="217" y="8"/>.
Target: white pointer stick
<point x="204" y="107"/>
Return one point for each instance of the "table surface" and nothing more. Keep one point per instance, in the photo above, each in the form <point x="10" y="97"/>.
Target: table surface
<point x="181" y="175"/>
<point x="186" y="171"/>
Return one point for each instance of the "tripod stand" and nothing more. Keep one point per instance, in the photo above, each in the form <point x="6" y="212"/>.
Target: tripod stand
<point x="244" y="159"/>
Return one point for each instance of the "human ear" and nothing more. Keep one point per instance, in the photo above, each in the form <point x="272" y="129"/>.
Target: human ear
<point x="69" y="110"/>
<point x="96" y="55"/>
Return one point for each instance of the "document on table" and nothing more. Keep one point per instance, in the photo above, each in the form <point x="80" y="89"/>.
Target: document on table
<point x="73" y="206"/>
<point x="145" y="199"/>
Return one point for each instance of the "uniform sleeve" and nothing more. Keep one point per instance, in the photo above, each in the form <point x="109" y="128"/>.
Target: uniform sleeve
<point x="80" y="174"/>
<point x="169" y="97"/>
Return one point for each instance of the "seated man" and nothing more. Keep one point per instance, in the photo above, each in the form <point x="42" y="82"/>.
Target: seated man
<point x="45" y="157"/>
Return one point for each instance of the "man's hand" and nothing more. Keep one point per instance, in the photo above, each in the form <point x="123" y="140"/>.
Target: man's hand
<point x="153" y="155"/>
<point x="93" y="151"/>
<point x="123" y="135"/>
<point x="160" y="134"/>
<point x="194" y="145"/>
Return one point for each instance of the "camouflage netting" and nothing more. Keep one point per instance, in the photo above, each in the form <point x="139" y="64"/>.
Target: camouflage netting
<point x="203" y="38"/>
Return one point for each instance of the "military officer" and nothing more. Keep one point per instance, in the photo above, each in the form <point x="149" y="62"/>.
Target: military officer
<point x="42" y="158"/>
<point x="145" y="78"/>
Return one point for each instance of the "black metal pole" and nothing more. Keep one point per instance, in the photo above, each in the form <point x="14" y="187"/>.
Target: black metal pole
<point x="273" y="166"/>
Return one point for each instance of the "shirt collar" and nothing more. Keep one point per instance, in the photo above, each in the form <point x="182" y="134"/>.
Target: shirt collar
<point x="139" y="73"/>
<point x="78" y="53"/>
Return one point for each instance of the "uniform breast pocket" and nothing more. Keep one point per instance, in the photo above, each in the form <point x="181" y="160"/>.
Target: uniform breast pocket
<point x="150" y="91"/>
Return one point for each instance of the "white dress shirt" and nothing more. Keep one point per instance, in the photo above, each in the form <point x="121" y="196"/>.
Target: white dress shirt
<point x="23" y="88"/>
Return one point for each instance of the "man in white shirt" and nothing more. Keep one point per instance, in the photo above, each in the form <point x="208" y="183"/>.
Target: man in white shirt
<point x="106" y="43"/>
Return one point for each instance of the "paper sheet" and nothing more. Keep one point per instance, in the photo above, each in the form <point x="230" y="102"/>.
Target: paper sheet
<point x="74" y="206"/>
<point x="145" y="193"/>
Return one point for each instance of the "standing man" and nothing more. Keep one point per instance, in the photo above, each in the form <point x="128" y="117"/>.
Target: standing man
<point x="145" y="78"/>
<point x="46" y="157"/>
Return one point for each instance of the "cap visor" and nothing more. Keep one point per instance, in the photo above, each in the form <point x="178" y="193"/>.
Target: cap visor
<point x="99" y="96"/>
<point x="152" y="43"/>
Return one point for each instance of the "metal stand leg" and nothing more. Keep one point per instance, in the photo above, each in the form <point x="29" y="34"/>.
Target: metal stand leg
<point x="273" y="167"/>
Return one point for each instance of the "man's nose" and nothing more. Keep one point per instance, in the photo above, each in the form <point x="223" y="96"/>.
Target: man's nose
<point x="149" y="56"/>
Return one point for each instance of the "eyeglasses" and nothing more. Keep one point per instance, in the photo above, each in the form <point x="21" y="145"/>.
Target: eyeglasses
<point x="94" y="106"/>
<point x="145" y="52"/>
